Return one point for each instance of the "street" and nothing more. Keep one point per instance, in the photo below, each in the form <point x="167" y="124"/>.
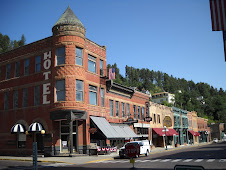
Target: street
<point x="210" y="156"/>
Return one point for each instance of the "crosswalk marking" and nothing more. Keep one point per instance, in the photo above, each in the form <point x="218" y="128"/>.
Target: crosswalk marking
<point x="199" y="160"/>
<point x="210" y="160"/>
<point x="188" y="160"/>
<point x="176" y="160"/>
<point x="157" y="160"/>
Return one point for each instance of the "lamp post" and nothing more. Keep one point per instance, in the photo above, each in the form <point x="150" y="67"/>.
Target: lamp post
<point x="165" y="129"/>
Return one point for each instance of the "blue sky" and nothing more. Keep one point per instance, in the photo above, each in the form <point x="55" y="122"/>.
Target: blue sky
<point x="172" y="36"/>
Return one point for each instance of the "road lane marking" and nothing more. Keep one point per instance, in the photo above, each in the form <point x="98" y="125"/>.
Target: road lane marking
<point x="176" y="160"/>
<point x="210" y="160"/>
<point x="199" y="160"/>
<point x="155" y="160"/>
<point x="166" y="160"/>
<point x="187" y="160"/>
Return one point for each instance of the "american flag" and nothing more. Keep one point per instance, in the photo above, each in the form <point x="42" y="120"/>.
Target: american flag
<point x="111" y="74"/>
<point x="218" y="14"/>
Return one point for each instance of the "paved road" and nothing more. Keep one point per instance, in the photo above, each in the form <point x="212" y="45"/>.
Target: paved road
<point x="211" y="157"/>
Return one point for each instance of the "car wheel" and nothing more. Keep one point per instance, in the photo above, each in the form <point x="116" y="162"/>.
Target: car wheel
<point x="147" y="153"/>
<point x="121" y="156"/>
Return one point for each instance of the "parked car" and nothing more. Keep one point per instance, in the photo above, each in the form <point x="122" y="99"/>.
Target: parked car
<point x="144" y="148"/>
<point x="215" y="140"/>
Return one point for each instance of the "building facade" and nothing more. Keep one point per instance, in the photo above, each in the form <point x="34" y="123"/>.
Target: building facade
<point x="163" y="96"/>
<point x="55" y="92"/>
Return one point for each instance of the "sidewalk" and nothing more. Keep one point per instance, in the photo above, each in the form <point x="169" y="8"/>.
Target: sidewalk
<point x="84" y="159"/>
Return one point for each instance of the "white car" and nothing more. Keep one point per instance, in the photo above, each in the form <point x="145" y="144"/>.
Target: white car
<point x="215" y="140"/>
<point x="144" y="148"/>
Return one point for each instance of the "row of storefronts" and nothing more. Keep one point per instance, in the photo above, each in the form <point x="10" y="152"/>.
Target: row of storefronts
<point x="56" y="92"/>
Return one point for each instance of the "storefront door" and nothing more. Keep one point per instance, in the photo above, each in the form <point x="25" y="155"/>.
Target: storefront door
<point x="64" y="126"/>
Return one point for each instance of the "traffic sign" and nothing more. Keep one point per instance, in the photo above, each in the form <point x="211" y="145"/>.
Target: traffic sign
<point x="132" y="149"/>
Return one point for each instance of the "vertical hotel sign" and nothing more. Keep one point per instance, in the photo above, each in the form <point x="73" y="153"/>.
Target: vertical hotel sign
<point x="46" y="74"/>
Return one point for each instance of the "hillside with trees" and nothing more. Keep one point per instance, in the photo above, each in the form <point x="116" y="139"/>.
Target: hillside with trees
<point x="6" y="44"/>
<point x="207" y="101"/>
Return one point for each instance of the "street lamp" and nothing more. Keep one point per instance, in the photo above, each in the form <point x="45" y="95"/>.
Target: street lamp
<point x="165" y="129"/>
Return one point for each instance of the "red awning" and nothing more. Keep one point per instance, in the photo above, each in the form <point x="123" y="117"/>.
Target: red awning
<point x="194" y="133"/>
<point x="160" y="132"/>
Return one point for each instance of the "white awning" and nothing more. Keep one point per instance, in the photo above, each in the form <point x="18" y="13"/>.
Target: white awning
<point x="18" y="128"/>
<point x="113" y="131"/>
<point x="35" y="127"/>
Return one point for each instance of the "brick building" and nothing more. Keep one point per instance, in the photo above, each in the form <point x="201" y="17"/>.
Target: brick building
<point x="56" y="90"/>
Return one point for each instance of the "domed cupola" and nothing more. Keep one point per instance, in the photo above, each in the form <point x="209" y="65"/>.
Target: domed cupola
<point x="69" y="24"/>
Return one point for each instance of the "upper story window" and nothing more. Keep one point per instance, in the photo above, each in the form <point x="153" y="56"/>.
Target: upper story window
<point x="79" y="56"/>
<point x="60" y="56"/>
<point x="123" y="109"/>
<point x="101" y="67"/>
<point x="117" y="108"/>
<point x="138" y="111"/>
<point x="135" y="111"/>
<point x="154" y="119"/>
<point x="111" y="105"/>
<point x="8" y="71"/>
<point x="175" y="120"/>
<point x="102" y="96"/>
<point x="6" y="101"/>
<point x="26" y="66"/>
<point x="142" y="112"/>
<point x="79" y="90"/>
<point x="15" y="99"/>
<point x="17" y="69"/>
<point x="37" y="96"/>
<point x="92" y="95"/>
<point x="128" y="110"/>
<point x="25" y="97"/>
<point x="60" y="90"/>
<point x="92" y="64"/>
<point x="37" y="64"/>
<point x="159" y="120"/>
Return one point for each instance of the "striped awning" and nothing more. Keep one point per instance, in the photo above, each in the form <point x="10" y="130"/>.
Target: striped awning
<point x="35" y="127"/>
<point x="18" y="128"/>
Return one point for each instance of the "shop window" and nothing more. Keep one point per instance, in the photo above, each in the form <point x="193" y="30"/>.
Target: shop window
<point x="8" y="71"/>
<point x="25" y="97"/>
<point x="111" y="105"/>
<point x="79" y="90"/>
<point x="79" y="56"/>
<point x="37" y="95"/>
<point x="117" y="108"/>
<point x="102" y="97"/>
<point x="123" y="109"/>
<point x="60" y="90"/>
<point x="92" y="63"/>
<point x="37" y="64"/>
<point x="15" y="99"/>
<point x="17" y="69"/>
<point x="60" y="56"/>
<point x="26" y="66"/>
<point x="128" y="110"/>
<point x="92" y="95"/>
<point x="6" y="101"/>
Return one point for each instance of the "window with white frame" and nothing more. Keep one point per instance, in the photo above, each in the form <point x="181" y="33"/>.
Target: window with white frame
<point x="117" y="108"/>
<point x="78" y="56"/>
<point x="60" y="90"/>
<point x="60" y="56"/>
<point x="37" y="95"/>
<point x="102" y="97"/>
<point x="128" y="110"/>
<point x="92" y="95"/>
<point x="92" y="64"/>
<point x="17" y="69"/>
<point x="111" y="105"/>
<point x="26" y="66"/>
<point x="15" y="99"/>
<point x="79" y="90"/>
<point x="37" y="64"/>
